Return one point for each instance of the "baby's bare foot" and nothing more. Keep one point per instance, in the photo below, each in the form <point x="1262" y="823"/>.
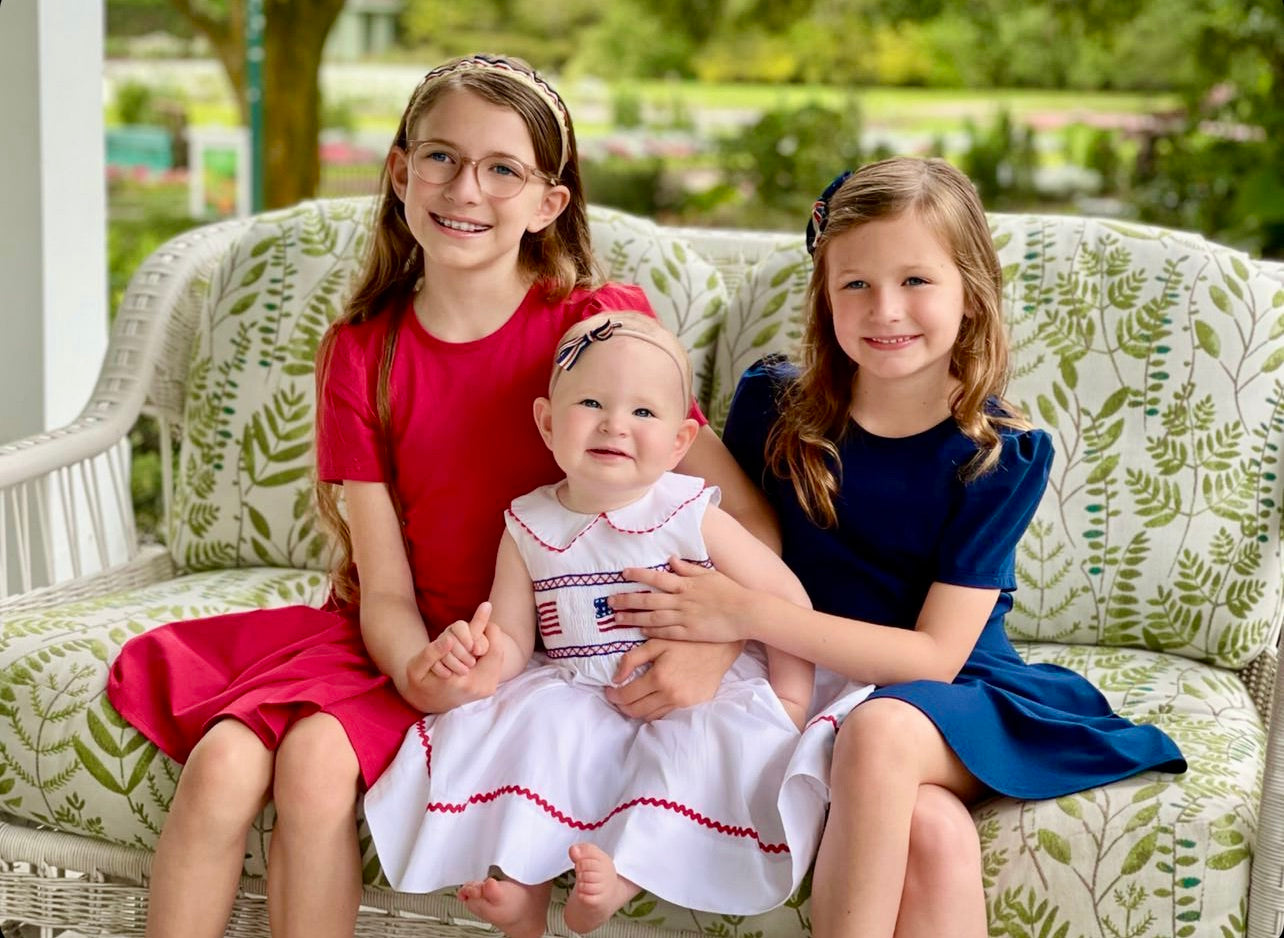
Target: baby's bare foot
<point x="599" y="890"/>
<point x="516" y="909"/>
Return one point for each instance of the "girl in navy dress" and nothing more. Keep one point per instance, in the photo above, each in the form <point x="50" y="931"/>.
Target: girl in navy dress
<point x="903" y="482"/>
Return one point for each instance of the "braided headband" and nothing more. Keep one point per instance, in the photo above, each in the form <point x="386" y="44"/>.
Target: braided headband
<point x="569" y="352"/>
<point x="820" y="211"/>
<point x="530" y="79"/>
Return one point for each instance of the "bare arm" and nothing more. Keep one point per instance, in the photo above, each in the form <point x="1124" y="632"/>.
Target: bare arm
<point x="391" y="626"/>
<point x="469" y="659"/>
<point x="704" y="605"/>
<point x="744" y="559"/>
<point x="513" y="601"/>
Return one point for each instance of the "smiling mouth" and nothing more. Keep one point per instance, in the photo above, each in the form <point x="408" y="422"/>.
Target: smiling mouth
<point x="891" y="341"/>
<point x="454" y="225"/>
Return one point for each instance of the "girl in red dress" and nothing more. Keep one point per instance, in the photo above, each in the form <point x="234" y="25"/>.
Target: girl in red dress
<point x="479" y="260"/>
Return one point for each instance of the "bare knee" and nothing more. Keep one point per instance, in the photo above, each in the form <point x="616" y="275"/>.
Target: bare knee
<point x="880" y="739"/>
<point x="943" y="842"/>
<point x="225" y="780"/>
<point x="317" y="773"/>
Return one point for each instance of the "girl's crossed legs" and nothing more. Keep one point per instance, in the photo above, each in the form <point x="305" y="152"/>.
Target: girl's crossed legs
<point x="519" y="911"/>
<point x="314" y="866"/>
<point x="900" y="855"/>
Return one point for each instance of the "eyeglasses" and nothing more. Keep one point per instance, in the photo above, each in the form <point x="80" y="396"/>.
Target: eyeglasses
<point x="500" y="177"/>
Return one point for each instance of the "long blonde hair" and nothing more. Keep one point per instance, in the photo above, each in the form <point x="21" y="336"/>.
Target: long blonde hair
<point x="802" y="446"/>
<point x="558" y="257"/>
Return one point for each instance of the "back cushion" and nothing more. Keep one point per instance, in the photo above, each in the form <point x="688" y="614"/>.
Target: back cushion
<point x="686" y="290"/>
<point x="1152" y="358"/>
<point x="243" y="496"/>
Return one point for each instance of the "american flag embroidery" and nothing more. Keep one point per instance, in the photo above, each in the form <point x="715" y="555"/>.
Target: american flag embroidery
<point x="605" y="615"/>
<point x="548" y="622"/>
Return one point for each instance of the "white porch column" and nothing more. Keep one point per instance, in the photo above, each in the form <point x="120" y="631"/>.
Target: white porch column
<point x="53" y="225"/>
<point x="53" y="212"/>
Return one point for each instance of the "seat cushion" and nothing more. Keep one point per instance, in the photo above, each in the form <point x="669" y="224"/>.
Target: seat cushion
<point x="67" y="759"/>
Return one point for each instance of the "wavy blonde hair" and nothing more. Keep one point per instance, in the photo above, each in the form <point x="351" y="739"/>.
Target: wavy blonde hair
<point x="814" y="412"/>
<point x="559" y="256"/>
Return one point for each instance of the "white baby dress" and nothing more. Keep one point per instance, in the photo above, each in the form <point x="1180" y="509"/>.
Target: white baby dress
<point x="714" y="807"/>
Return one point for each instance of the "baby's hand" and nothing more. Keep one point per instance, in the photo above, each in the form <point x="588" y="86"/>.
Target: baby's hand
<point x="455" y="650"/>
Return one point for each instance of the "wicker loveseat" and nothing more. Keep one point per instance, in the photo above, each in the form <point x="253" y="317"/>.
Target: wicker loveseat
<point x="1153" y="565"/>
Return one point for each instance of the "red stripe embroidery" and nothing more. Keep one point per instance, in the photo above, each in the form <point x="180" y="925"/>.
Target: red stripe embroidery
<point x="442" y="807"/>
<point x="548" y="622"/>
<point x="603" y="577"/>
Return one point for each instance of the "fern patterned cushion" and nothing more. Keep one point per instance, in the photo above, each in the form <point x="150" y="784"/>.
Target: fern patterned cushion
<point x="686" y="290"/>
<point x="243" y="495"/>
<point x="67" y="759"/>
<point x="766" y="316"/>
<point x="1147" y="354"/>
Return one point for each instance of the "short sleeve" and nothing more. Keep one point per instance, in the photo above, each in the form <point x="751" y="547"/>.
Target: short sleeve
<point x="978" y="544"/>
<point x="621" y="296"/>
<point x="347" y="427"/>
<point x="630" y="297"/>
<point x="754" y="410"/>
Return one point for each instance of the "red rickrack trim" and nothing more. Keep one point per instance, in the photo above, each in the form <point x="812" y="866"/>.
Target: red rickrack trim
<point x="442" y="807"/>
<point x="426" y="742"/>
<point x="823" y="718"/>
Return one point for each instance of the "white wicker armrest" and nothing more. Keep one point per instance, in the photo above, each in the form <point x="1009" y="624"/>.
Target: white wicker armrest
<point x="1266" y="912"/>
<point x="65" y="508"/>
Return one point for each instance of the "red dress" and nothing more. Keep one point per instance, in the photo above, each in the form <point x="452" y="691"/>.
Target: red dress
<point x="464" y="445"/>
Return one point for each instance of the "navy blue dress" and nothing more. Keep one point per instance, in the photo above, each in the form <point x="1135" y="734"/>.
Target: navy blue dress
<point x="906" y="520"/>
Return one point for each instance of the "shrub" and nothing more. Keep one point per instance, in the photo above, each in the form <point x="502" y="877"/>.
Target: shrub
<point x="782" y="161"/>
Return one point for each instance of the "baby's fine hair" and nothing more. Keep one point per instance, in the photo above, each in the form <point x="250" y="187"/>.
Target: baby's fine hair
<point x="559" y="257"/>
<point x="814" y="413"/>
<point x="580" y="339"/>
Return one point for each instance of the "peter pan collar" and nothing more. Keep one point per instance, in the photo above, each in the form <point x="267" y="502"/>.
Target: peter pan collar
<point x="557" y="527"/>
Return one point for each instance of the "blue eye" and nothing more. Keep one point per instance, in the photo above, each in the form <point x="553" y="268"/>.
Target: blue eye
<point x="915" y="281"/>
<point x="439" y="156"/>
<point x="855" y="285"/>
<point x="589" y="402"/>
<point x="500" y="168"/>
<point x="643" y="412"/>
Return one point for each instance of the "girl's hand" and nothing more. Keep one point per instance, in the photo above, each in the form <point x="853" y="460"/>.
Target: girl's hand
<point x="681" y="674"/>
<point x="693" y="603"/>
